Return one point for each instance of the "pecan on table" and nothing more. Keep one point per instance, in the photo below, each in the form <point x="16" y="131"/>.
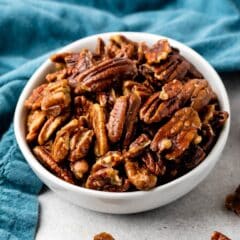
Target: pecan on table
<point x="177" y="134"/>
<point x="98" y="120"/>
<point x="102" y="76"/>
<point x="219" y="236"/>
<point x="103" y="236"/>
<point x="140" y="176"/>
<point x="232" y="201"/>
<point x="47" y="160"/>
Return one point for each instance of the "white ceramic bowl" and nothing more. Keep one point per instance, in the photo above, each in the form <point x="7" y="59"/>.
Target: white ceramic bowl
<point x="130" y="202"/>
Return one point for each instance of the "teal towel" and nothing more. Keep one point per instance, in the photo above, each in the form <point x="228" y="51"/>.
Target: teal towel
<point x="30" y="29"/>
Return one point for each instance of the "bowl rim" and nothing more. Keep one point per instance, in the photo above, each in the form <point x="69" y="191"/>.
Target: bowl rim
<point x="51" y="178"/>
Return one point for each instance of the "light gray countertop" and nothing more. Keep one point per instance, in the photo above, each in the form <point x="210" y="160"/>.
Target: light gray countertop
<point x="193" y="217"/>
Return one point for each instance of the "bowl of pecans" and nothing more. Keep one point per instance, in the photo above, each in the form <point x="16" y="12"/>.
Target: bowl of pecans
<point x="123" y="122"/>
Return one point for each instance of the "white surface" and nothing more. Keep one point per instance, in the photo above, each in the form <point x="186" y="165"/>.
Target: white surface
<point x="123" y="202"/>
<point x="192" y="217"/>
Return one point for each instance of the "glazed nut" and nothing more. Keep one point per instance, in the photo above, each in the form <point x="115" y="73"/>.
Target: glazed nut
<point x="232" y="201"/>
<point x="219" y="236"/>
<point x="181" y="130"/>
<point x="103" y="236"/>
<point x="47" y="160"/>
<point x="102" y="76"/>
<point x="56" y="98"/>
<point x="140" y="177"/>
<point x="79" y="168"/>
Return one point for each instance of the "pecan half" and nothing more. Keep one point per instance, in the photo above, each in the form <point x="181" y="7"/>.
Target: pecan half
<point x="80" y="144"/>
<point x="79" y="168"/>
<point x="199" y="92"/>
<point x="110" y="160"/>
<point x="232" y="201"/>
<point x="56" y="98"/>
<point x="98" y="120"/>
<point x="219" y="236"/>
<point x="140" y="177"/>
<point x="158" y="52"/>
<point x="177" y="134"/>
<point x="35" y="120"/>
<point x="35" y="99"/>
<point x="162" y="104"/>
<point x="50" y="126"/>
<point x="138" y="146"/>
<point x="103" y="236"/>
<point x="107" y="179"/>
<point x="154" y="163"/>
<point x="103" y="75"/>
<point x="117" y="119"/>
<point x="82" y="106"/>
<point x="46" y="159"/>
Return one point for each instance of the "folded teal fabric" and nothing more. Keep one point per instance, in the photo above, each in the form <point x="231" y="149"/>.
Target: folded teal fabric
<point x="30" y="30"/>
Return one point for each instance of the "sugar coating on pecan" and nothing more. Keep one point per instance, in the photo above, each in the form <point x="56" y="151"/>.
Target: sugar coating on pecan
<point x="232" y="201"/>
<point x="219" y="236"/>
<point x="177" y="134"/>
<point x="123" y="117"/>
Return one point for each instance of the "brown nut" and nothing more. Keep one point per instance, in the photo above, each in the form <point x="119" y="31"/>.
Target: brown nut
<point x="46" y="159"/>
<point x="79" y="168"/>
<point x="154" y="163"/>
<point x="107" y="179"/>
<point x="35" y="99"/>
<point x="140" y="177"/>
<point x="98" y="120"/>
<point x="103" y="236"/>
<point x="80" y="144"/>
<point x="177" y="134"/>
<point x="110" y="160"/>
<point x="159" y="51"/>
<point x="219" y="236"/>
<point x="232" y="201"/>
<point x="138" y="146"/>
<point x="162" y="104"/>
<point x="50" y="127"/>
<point x="35" y="120"/>
<point x="117" y="119"/>
<point x="102" y="76"/>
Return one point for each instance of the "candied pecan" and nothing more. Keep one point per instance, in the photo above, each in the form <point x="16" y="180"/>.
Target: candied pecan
<point x="79" y="168"/>
<point x="35" y="99"/>
<point x="140" y="89"/>
<point x="50" y="126"/>
<point x="117" y="119"/>
<point x="193" y="157"/>
<point x="154" y="164"/>
<point x="140" y="177"/>
<point x="134" y="103"/>
<point x="56" y="98"/>
<point x="35" y="120"/>
<point x="102" y="76"/>
<point x="159" y="51"/>
<point x="177" y="134"/>
<point x="58" y="75"/>
<point x="218" y="120"/>
<point x="110" y="160"/>
<point x="107" y="179"/>
<point x="232" y="201"/>
<point x="100" y="48"/>
<point x="46" y="159"/>
<point x="61" y="144"/>
<point x="80" y="144"/>
<point x="138" y="146"/>
<point x="219" y="236"/>
<point x="120" y="46"/>
<point x="98" y="120"/>
<point x="208" y="137"/>
<point x="199" y="92"/>
<point x="82" y="106"/>
<point x="103" y="236"/>
<point x="162" y="104"/>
